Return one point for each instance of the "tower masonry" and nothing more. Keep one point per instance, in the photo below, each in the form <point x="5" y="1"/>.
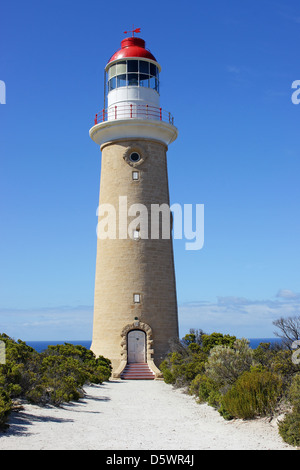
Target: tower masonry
<point x="135" y="305"/>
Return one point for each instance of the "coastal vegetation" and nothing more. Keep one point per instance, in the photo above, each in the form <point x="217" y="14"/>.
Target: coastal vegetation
<point x="218" y="369"/>
<point x="241" y="382"/>
<point x="51" y="377"/>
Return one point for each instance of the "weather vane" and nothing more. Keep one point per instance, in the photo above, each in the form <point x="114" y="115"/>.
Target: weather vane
<point x="137" y="30"/>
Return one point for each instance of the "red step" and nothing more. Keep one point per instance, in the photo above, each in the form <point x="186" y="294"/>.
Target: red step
<point x="137" y="371"/>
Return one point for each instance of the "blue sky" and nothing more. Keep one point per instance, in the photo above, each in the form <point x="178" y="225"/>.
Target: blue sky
<point x="227" y="71"/>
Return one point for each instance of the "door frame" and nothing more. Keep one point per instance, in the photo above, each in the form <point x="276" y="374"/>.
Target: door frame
<point x="137" y="325"/>
<point x="145" y="344"/>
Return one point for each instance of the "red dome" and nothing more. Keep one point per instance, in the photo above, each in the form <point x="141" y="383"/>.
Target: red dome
<point x="132" y="47"/>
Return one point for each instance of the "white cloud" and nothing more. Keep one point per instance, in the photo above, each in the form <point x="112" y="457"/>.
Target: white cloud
<point x="288" y="294"/>
<point x="233" y="315"/>
<point x="48" y="323"/>
<point x="238" y="316"/>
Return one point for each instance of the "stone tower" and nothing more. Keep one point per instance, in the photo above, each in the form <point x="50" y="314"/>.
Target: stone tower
<point x="135" y="307"/>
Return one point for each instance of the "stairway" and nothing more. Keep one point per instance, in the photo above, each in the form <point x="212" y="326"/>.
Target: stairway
<point x="137" y="371"/>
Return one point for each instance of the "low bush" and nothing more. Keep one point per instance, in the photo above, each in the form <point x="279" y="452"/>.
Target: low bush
<point x="239" y="382"/>
<point x="255" y="393"/>
<point x="5" y="408"/>
<point x="54" y="376"/>
<point x="289" y="428"/>
<point x="225" y="364"/>
<point x="204" y="388"/>
<point x="189" y="356"/>
<point x="216" y="339"/>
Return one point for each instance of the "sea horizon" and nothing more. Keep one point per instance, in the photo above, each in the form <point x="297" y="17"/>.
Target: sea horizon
<point x="40" y="346"/>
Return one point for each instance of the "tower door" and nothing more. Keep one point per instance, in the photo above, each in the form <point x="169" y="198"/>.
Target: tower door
<point x="136" y="346"/>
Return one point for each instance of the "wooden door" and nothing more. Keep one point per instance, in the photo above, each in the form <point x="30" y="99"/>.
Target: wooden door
<point x="136" y="346"/>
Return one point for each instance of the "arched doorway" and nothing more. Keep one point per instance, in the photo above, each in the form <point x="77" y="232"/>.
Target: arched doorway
<point x="136" y="346"/>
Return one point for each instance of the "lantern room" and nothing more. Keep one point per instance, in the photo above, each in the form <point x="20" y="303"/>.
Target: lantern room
<point x="132" y="79"/>
<point x="132" y="98"/>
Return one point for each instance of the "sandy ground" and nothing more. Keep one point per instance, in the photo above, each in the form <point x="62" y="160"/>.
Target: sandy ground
<point x="135" y="415"/>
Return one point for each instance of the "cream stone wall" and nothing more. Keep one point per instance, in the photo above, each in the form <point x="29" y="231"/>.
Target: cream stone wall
<point x="127" y="266"/>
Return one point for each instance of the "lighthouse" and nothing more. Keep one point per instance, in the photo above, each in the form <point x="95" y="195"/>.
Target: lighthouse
<point x="135" y="304"/>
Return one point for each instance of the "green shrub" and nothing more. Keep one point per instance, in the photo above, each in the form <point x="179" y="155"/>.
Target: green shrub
<point x="225" y="364"/>
<point x="181" y="366"/>
<point x="208" y="392"/>
<point x="227" y="374"/>
<point x="289" y="428"/>
<point x="283" y="365"/>
<point x="255" y="393"/>
<point x="5" y="408"/>
<point x="203" y="387"/>
<point x="64" y="369"/>
<point x="264" y="354"/>
<point x="168" y="377"/>
<point x="86" y="366"/>
<point x="195" y="385"/>
<point x="57" y="375"/>
<point x="216" y="339"/>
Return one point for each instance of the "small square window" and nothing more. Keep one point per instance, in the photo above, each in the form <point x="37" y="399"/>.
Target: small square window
<point x="135" y="175"/>
<point x="136" y="235"/>
<point x="136" y="298"/>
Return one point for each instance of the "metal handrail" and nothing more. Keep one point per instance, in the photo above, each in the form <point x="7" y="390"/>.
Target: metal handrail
<point x="133" y="111"/>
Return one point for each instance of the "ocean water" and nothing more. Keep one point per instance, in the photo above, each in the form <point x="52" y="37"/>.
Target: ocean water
<point x="255" y="342"/>
<point x="40" y="346"/>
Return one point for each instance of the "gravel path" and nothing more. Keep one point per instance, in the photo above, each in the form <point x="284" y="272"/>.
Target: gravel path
<point x="147" y="415"/>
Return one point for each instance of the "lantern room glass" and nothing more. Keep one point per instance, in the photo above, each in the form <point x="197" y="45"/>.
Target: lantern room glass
<point x="133" y="72"/>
